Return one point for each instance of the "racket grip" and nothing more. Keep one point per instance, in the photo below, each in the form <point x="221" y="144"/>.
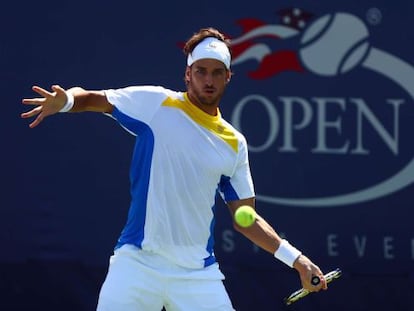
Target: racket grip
<point x="315" y="280"/>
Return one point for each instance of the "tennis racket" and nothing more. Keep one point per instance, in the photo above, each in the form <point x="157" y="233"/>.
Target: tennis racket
<point x="300" y="293"/>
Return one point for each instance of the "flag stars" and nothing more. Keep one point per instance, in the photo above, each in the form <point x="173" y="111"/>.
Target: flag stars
<point x="287" y="20"/>
<point x="301" y="24"/>
<point x="296" y="12"/>
<point x="295" y="17"/>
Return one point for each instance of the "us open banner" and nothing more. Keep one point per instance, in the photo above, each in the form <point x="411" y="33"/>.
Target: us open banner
<point x="323" y="92"/>
<point x="327" y="116"/>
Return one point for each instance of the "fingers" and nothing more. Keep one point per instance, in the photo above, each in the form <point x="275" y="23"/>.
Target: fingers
<point x="45" y="95"/>
<point x="48" y="104"/>
<point x="58" y="89"/>
<point x="36" y="111"/>
<point x="42" y="91"/>
<point x="38" y="101"/>
<point x="308" y="270"/>
<point x="32" y="112"/>
<point x="33" y="101"/>
<point x="37" y="121"/>
<point x="320" y="275"/>
<point x="322" y="284"/>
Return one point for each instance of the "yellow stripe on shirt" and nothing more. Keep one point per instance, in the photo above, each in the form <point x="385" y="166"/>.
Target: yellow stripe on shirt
<point x="212" y="123"/>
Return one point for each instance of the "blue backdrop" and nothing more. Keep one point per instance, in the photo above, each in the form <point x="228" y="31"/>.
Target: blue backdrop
<point x="323" y="92"/>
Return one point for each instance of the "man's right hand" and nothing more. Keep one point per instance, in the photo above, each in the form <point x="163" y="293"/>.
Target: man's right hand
<point x="49" y="104"/>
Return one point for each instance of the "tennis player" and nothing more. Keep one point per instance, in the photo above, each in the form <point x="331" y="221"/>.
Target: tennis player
<point x="185" y="153"/>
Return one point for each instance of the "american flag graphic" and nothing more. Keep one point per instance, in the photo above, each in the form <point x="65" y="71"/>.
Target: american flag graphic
<point x="250" y="44"/>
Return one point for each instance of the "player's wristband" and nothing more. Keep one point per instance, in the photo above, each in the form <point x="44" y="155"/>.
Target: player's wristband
<point x="69" y="102"/>
<point x="287" y="253"/>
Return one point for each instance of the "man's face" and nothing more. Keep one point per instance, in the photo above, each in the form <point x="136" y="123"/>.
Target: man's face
<point x="206" y="82"/>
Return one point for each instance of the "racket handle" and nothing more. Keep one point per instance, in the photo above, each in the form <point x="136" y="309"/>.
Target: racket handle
<point x="315" y="280"/>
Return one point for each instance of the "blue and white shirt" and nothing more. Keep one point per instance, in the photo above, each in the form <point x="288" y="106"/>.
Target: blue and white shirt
<point x="182" y="158"/>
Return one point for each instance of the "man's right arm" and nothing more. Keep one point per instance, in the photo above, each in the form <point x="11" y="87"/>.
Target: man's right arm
<point x="73" y="100"/>
<point x="89" y="101"/>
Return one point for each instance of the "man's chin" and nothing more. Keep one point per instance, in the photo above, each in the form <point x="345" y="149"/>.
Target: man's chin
<point x="209" y="101"/>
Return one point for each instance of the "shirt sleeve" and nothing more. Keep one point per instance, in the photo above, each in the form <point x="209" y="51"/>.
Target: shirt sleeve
<point x="137" y="102"/>
<point x="240" y="184"/>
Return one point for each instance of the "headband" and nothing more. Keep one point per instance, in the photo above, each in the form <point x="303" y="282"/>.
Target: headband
<point x="210" y="48"/>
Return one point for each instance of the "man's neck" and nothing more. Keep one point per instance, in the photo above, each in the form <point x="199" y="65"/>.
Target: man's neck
<point x="209" y="109"/>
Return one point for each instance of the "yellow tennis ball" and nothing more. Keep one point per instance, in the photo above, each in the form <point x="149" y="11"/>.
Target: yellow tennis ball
<point x="245" y="216"/>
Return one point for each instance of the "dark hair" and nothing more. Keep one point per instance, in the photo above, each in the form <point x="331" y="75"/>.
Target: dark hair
<point x="201" y="35"/>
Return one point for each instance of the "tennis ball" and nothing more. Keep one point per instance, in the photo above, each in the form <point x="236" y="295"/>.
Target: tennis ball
<point x="245" y="216"/>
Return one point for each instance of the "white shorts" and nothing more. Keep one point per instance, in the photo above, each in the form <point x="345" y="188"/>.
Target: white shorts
<point x="138" y="280"/>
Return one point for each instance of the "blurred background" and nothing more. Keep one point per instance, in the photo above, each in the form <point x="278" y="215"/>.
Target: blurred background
<point x="322" y="90"/>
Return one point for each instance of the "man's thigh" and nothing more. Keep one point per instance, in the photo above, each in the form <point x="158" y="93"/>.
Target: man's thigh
<point x="130" y="286"/>
<point x="200" y="295"/>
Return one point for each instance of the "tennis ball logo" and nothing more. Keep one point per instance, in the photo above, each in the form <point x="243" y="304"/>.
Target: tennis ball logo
<point x="245" y="216"/>
<point x="334" y="44"/>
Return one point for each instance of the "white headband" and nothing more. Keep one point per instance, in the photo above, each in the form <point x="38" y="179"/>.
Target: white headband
<point x="210" y="48"/>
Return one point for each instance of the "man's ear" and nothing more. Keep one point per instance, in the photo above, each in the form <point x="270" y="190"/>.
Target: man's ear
<point x="228" y="77"/>
<point x="187" y="74"/>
